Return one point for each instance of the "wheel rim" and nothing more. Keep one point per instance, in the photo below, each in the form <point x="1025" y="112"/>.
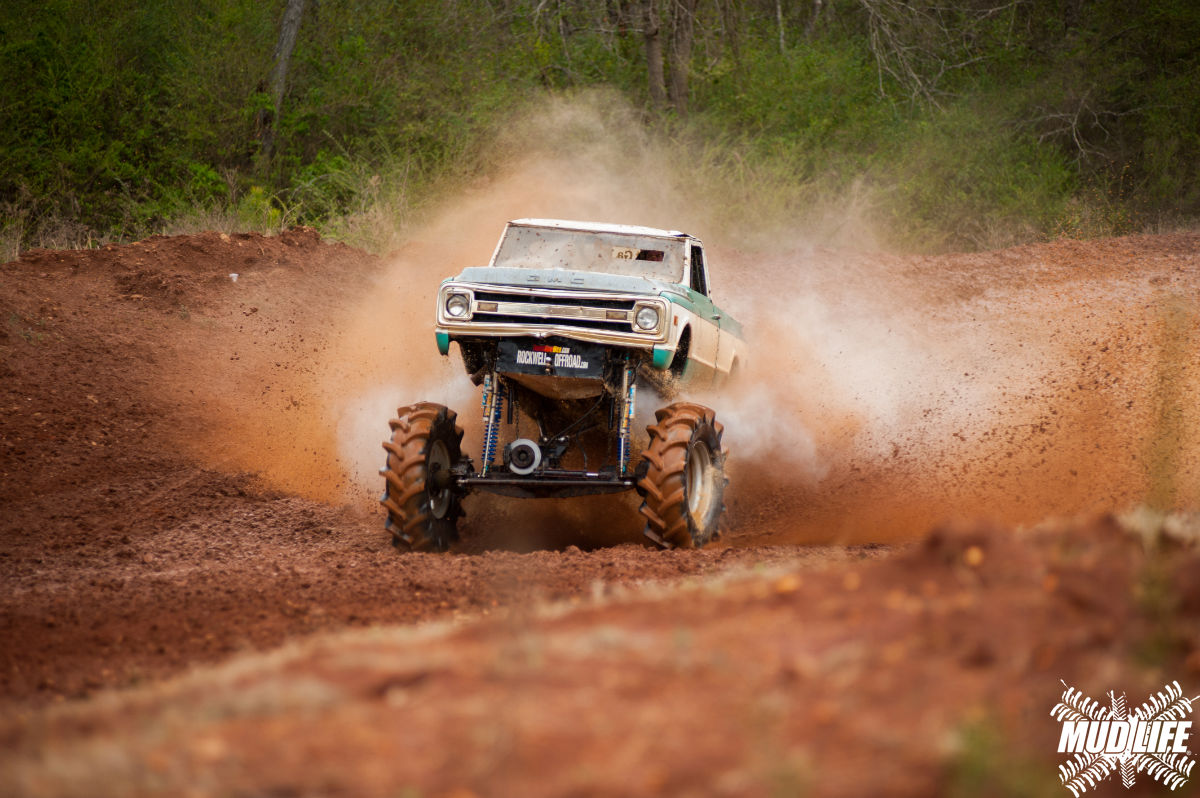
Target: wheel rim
<point x="698" y="473"/>
<point x="438" y="461"/>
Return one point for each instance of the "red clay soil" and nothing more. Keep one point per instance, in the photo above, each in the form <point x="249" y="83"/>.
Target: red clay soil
<point x="932" y="671"/>
<point x="123" y="559"/>
<point x="174" y="497"/>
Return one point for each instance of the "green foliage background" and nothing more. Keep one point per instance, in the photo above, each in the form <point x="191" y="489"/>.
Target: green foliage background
<point x="973" y="125"/>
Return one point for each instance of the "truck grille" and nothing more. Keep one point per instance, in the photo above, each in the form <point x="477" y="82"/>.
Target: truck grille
<point x="553" y="310"/>
<point x="499" y="296"/>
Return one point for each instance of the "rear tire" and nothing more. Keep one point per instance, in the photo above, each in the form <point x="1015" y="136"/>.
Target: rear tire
<point x="423" y="506"/>
<point x="684" y="484"/>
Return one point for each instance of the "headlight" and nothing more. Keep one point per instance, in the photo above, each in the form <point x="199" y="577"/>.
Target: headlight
<point x="647" y="318"/>
<point x="457" y="305"/>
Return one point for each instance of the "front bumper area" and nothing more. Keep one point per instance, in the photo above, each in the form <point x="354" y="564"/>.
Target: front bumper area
<point x="507" y="311"/>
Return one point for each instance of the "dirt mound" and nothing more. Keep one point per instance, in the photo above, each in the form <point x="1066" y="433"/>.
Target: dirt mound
<point x="929" y="672"/>
<point x="113" y="535"/>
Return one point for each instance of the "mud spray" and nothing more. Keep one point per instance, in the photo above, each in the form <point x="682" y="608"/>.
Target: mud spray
<point x="884" y="394"/>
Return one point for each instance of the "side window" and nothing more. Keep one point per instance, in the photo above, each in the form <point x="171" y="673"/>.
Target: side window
<point x="698" y="283"/>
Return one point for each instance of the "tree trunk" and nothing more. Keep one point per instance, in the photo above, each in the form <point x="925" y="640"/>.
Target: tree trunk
<point x="729" y="20"/>
<point x="288" y="29"/>
<point x="654" y="57"/>
<point x="681" y="52"/>
<point x="811" y="27"/>
<point x="779" y="21"/>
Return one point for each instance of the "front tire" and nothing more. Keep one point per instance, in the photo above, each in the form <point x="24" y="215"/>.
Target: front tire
<point x="423" y="505"/>
<point x="684" y="485"/>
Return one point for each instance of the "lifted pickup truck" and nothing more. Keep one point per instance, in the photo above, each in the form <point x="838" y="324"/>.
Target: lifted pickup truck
<point x="562" y="329"/>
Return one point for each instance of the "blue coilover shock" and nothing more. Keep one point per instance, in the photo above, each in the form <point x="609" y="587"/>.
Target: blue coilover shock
<point x="629" y="392"/>
<point x="493" y="405"/>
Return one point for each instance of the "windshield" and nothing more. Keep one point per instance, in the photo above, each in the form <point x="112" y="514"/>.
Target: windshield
<point x="609" y="253"/>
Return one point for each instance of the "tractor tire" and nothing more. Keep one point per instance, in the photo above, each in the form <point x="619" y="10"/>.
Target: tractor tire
<point x="683" y="488"/>
<point x="422" y="507"/>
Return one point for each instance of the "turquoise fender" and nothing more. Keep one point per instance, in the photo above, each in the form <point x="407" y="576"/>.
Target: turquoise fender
<point x="443" y="342"/>
<point x="662" y="357"/>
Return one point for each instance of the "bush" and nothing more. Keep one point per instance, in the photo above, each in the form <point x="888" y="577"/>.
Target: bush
<point x="117" y="118"/>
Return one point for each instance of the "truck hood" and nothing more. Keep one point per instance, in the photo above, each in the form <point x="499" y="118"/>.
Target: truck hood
<point x="562" y="278"/>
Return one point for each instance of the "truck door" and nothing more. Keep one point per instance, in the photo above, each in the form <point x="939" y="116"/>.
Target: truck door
<point x="706" y="340"/>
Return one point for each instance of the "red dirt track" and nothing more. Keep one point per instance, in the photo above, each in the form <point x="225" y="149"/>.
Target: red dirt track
<point x="198" y="597"/>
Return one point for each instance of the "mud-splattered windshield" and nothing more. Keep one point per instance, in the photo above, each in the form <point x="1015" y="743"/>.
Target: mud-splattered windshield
<point x="611" y="253"/>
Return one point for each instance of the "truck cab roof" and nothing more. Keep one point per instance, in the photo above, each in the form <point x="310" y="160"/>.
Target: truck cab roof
<point x="600" y="227"/>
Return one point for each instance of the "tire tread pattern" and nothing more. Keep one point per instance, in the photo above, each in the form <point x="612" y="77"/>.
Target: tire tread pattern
<point x="665" y="505"/>
<point x="409" y="515"/>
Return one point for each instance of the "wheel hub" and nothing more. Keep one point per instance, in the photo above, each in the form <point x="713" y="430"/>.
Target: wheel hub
<point x="698" y="476"/>
<point x="437" y="464"/>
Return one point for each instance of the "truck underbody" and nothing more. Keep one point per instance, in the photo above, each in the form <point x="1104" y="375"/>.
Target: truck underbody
<point x="580" y="400"/>
<point x="558" y="421"/>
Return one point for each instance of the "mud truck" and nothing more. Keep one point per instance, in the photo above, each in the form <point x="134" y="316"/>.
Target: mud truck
<point x="564" y="329"/>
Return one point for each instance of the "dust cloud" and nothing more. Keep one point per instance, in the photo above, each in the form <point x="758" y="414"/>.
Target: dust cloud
<point x="883" y="394"/>
<point x="575" y="160"/>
